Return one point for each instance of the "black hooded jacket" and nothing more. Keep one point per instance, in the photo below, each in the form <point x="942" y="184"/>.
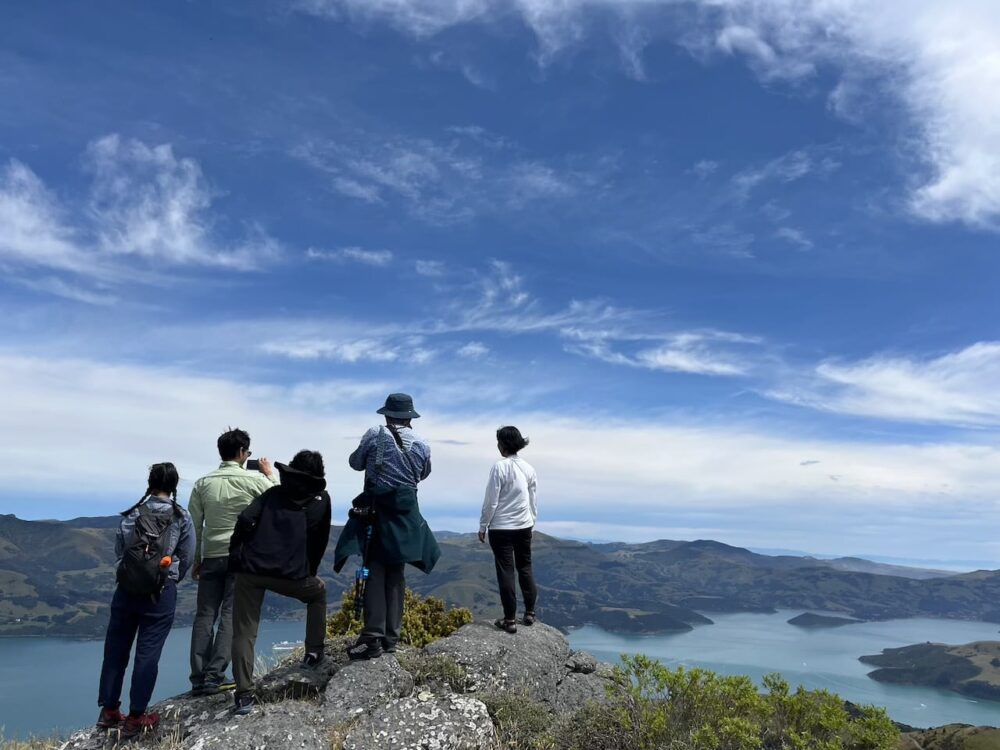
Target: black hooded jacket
<point x="284" y="532"/>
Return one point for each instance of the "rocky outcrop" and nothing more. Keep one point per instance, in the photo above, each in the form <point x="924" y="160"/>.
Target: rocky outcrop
<point x="379" y="705"/>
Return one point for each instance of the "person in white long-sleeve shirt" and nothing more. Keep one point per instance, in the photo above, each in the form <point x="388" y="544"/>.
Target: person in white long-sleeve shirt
<point x="510" y="510"/>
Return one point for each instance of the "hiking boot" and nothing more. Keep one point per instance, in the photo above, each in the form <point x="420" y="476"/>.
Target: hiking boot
<point x="529" y="618"/>
<point x="509" y="625"/>
<point x="245" y="704"/>
<point x="360" y="651"/>
<point x="388" y="648"/>
<point x="109" y="718"/>
<point x="312" y="660"/>
<point x="144" y="723"/>
<point x="209" y="688"/>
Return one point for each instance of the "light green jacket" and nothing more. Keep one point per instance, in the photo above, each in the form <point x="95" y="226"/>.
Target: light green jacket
<point x="217" y="500"/>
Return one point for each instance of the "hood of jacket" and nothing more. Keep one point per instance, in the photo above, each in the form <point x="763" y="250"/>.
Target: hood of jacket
<point x="297" y="486"/>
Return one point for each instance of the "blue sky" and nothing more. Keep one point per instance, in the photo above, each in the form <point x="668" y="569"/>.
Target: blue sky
<point x="730" y="263"/>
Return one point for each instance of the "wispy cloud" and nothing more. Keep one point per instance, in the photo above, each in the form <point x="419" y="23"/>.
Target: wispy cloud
<point x="378" y="258"/>
<point x="431" y="268"/>
<point x="349" y="351"/>
<point x="958" y="388"/>
<point x="442" y="182"/>
<point x="935" y="60"/>
<point x="786" y="168"/>
<point x="794" y="236"/>
<point x="143" y="202"/>
<point x="717" y="353"/>
<point x="473" y="350"/>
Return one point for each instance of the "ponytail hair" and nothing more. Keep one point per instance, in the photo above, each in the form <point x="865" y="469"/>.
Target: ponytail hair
<point x="163" y="477"/>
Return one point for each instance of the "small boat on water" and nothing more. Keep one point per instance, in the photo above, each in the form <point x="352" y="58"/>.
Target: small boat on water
<point x="285" y="646"/>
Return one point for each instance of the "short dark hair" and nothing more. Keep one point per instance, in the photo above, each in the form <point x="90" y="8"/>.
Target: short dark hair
<point x="510" y="439"/>
<point x="163" y="477"/>
<point x="310" y="462"/>
<point x="231" y="442"/>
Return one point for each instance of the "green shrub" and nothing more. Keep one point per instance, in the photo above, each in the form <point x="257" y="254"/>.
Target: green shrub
<point x="652" y="707"/>
<point x="424" y="619"/>
<point x="434" y="669"/>
<point x="520" y="722"/>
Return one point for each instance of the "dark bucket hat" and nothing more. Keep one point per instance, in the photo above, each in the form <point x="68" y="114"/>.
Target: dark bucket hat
<point x="399" y="405"/>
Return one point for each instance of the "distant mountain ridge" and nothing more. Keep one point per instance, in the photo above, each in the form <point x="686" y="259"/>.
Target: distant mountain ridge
<point x="56" y="578"/>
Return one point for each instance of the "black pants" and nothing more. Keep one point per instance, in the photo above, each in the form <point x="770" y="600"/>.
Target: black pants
<point x="512" y="548"/>
<point x="249" y="598"/>
<point x="384" y="594"/>
<point x="146" y="621"/>
<point x="211" y="648"/>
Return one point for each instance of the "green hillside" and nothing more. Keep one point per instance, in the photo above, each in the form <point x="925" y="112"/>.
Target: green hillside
<point x="56" y="578"/>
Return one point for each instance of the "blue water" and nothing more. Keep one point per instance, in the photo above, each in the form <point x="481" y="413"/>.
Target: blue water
<point x="755" y="644"/>
<point x="49" y="685"/>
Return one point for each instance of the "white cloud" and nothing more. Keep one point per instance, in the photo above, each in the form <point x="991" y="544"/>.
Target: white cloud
<point x="938" y="60"/>
<point x="784" y="169"/>
<point x="33" y="228"/>
<point x="440" y="182"/>
<point x="473" y="350"/>
<point x="349" y="351"/>
<point x="143" y="202"/>
<point x="704" y="168"/>
<point x="431" y="268"/>
<point x="717" y="353"/>
<point x="378" y="258"/>
<point x="795" y="236"/>
<point x="724" y="475"/>
<point x="960" y="388"/>
<point x="147" y="202"/>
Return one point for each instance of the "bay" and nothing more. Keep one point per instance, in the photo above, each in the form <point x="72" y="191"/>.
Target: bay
<point x="49" y="685"/>
<point x="756" y="644"/>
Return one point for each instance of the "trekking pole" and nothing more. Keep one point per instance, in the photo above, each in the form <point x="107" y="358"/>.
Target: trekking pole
<point x="361" y="574"/>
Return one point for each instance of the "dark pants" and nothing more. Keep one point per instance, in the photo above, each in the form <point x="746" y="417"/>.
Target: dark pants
<point x="384" y="596"/>
<point x="246" y="618"/>
<point x="148" y="618"/>
<point x="211" y="648"/>
<point x="512" y="548"/>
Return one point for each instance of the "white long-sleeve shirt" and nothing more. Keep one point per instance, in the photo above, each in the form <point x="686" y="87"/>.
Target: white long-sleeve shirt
<point x="510" y="496"/>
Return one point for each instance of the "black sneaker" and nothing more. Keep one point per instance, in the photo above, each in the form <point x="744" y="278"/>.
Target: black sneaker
<point x="388" y="648"/>
<point x="209" y="688"/>
<point x="312" y="660"/>
<point x="245" y="704"/>
<point x="361" y="651"/>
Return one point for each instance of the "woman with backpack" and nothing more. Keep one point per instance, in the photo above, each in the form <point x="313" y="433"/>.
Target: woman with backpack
<point x="509" y="514"/>
<point x="155" y="548"/>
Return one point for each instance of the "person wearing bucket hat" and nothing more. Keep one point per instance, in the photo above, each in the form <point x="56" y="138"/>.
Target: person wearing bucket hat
<point x="395" y="460"/>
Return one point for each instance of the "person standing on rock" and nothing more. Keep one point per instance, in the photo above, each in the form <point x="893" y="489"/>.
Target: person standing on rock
<point x="395" y="459"/>
<point x="154" y="548"/>
<point x="277" y="545"/>
<point x="510" y="510"/>
<point x="217" y="500"/>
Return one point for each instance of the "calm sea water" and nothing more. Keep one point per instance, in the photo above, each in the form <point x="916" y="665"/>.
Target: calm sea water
<point x="754" y="645"/>
<point x="49" y="685"/>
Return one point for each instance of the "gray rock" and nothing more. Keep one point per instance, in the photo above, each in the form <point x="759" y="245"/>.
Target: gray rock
<point x="576" y="690"/>
<point x="582" y="662"/>
<point x="289" y="680"/>
<point x="533" y="659"/>
<point x="425" y="722"/>
<point x="365" y="685"/>
<point x="288" y="724"/>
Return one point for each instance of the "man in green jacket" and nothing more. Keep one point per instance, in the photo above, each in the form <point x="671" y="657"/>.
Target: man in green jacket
<point x="217" y="500"/>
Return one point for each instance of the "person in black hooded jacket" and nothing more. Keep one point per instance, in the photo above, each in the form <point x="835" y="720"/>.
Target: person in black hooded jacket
<point x="277" y="545"/>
